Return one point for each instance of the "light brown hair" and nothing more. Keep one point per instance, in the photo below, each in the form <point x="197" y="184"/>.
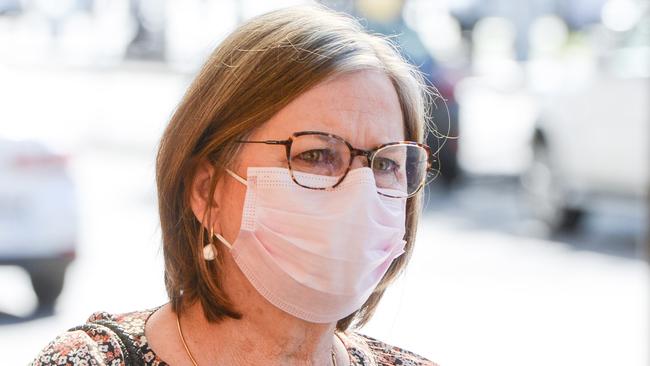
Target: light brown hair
<point x="256" y="71"/>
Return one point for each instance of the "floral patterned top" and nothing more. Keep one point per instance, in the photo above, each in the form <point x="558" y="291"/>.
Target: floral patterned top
<point x="102" y="346"/>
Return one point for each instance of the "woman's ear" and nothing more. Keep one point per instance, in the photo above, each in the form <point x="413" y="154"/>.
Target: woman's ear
<point x="200" y="199"/>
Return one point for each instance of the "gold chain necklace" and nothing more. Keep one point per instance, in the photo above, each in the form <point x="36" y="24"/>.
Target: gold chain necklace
<point x="189" y="354"/>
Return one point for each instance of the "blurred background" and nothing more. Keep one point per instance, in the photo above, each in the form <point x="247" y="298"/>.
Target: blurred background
<point x="534" y="245"/>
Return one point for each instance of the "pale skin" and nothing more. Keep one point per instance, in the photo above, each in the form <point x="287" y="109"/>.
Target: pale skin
<point x="363" y="108"/>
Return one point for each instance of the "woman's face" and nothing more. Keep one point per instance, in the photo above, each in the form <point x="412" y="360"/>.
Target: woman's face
<point x="361" y="107"/>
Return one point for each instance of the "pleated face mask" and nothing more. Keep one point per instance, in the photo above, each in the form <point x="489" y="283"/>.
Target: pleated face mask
<point x="316" y="254"/>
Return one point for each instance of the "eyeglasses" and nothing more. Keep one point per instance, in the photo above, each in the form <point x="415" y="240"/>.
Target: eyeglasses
<point x="400" y="168"/>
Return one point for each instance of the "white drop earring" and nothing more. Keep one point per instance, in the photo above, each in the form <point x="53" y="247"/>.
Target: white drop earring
<point x="209" y="250"/>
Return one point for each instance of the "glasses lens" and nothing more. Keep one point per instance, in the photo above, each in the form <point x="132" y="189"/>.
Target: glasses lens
<point x="320" y="155"/>
<point x="400" y="170"/>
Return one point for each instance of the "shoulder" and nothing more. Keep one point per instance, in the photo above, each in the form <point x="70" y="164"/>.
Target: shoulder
<point x="95" y="342"/>
<point x="365" y="350"/>
<point x="83" y="345"/>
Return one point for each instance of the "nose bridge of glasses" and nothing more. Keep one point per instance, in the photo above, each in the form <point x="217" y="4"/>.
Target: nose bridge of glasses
<point x="357" y="158"/>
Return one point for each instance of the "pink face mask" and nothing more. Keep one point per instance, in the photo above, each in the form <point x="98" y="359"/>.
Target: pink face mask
<point x="316" y="254"/>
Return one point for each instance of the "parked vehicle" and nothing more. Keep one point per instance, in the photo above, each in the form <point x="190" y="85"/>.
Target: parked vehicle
<point x="575" y="146"/>
<point x="38" y="215"/>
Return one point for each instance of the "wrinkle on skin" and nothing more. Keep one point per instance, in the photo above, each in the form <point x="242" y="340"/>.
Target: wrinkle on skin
<point x="361" y="107"/>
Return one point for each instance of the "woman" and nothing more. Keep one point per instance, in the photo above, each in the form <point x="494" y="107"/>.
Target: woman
<point x="289" y="185"/>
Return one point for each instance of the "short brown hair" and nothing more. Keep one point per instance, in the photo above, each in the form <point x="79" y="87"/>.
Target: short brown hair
<point x="256" y="71"/>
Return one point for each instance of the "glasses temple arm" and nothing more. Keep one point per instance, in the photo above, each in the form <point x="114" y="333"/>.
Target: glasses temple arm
<point x="268" y="142"/>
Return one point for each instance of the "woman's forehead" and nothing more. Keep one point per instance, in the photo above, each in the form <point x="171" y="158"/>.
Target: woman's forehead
<point x="361" y="107"/>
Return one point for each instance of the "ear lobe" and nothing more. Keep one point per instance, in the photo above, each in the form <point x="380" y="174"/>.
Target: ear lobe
<point x="199" y="195"/>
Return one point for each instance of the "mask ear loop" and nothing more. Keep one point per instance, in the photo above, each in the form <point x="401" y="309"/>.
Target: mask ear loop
<point x="237" y="177"/>
<point x="242" y="181"/>
<point x="210" y="250"/>
<point x="223" y="240"/>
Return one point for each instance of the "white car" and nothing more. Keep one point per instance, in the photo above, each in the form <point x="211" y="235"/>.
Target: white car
<point x="575" y="146"/>
<point x="590" y="147"/>
<point x="38" y="215"/>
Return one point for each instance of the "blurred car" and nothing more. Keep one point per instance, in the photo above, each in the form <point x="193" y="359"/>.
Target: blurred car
<point x="10" y="7"/>
<point x="38" y="215"/>
<point x="496" y="120"/>
<point x="589" y="147"/>
<point x="576" y="147"/>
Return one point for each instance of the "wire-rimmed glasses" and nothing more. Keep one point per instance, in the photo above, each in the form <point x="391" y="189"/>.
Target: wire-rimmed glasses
<point x="400" y="168"/>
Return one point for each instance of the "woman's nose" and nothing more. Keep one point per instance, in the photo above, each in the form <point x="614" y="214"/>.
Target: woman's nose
<point x="359" y="161"/>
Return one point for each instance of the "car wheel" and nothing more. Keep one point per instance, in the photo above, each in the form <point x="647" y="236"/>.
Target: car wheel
<point x="545" y="196"/>
<point x="47" y="282"/>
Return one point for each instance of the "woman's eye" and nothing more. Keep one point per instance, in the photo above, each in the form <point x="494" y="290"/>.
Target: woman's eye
<point x="385" y="165"/>
<point x="315" y="156"/>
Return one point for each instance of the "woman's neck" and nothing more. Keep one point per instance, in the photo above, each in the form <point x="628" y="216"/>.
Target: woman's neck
<point x="264" y="335"/>
<point x="257" y="338"/>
